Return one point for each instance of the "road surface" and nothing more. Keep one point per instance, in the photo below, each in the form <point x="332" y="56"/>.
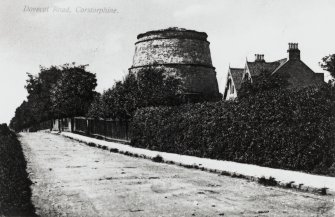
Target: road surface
<point x="72" y="179"/>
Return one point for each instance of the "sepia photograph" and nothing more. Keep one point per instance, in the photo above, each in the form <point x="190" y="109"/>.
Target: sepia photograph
<point x="167" y="108"/>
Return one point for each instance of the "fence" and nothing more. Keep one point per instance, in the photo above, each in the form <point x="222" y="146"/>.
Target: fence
<point x="41" y="126"/>
<point x="63" y="124"/>
<point x="108" y="128"/>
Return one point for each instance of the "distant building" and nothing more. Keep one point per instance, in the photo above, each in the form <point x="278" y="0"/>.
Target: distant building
<point x="299" y="75"/>
<point x="234" y="81"/>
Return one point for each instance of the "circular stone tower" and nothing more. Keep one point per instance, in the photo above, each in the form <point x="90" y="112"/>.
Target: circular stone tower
<point x="182" y="52"/>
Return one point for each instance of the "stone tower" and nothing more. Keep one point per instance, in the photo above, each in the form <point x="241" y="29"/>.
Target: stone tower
<point x="182" y="52"/>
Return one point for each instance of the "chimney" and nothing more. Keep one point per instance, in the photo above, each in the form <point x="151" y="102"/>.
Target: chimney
<point x="293" y="51"/>
<point x="259" y="58"/>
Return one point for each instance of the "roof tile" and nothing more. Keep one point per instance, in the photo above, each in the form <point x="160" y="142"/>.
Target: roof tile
<point x="237" y="74"/>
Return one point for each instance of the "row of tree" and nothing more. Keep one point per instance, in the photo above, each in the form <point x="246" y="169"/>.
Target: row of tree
<point x="55" y="92"/>
<point x="69" y="90"/>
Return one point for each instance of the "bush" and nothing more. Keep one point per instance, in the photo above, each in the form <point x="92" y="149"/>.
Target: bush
<point x="115" y="150"/>
<point x="91" y="144"/>
<point x="323" y="191"/>
<point x="14" y="183"/>
<point x="271" y="181"/>
<point x="289" y="129"/>
<point x="157" y="159"/>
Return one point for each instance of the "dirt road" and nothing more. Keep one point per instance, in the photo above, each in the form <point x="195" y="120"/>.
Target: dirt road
<point x="72" y="179"/>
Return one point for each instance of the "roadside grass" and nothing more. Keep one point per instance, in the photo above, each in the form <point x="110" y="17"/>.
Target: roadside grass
<point x="15" y="192"/>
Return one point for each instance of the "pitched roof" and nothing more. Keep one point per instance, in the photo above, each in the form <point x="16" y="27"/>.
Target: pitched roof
<point x="299" y="74"/>
<point x="237" y="74"/>
<point x="282" y="62"/>
<point x="255" y="68"/>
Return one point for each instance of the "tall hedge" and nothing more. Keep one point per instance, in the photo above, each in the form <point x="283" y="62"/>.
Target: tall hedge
<point x="290" y="129"/>
<point x="15" y="192"/>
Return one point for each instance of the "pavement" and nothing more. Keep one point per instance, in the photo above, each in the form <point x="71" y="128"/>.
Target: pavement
<point x="301" y="180"/>
<point x="72" y="179"/>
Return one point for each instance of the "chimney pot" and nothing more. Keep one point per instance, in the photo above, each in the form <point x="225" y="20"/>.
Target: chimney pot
<point x="259" y="57"/>
<point x="294" y="52"/>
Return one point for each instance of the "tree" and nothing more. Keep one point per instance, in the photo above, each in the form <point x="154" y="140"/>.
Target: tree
<point x="116" y="102"/>
<point x="57" y="91"/>
<point x="148" y="87"/>
<point x="73" y="92"/>
<point x="39" y="90"/>
<point x="158" y="87"/>
<point x="96" y="108"/>
<point x="328" y="64"/>
<point x="23" y="117"/>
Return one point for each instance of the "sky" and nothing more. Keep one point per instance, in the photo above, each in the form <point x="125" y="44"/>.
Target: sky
<point x="237" y="29"/>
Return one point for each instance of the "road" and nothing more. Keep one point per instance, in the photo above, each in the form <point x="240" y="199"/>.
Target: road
<point x="72" y="179"/>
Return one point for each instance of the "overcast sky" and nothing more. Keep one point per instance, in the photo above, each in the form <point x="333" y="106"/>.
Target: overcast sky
<point x="236" y="30"/>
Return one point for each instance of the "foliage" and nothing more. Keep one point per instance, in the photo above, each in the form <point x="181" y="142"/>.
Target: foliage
<point x="23" y="117"/>
<point x="158" y="159"/>
<point x="73" y="92"/>
<point x="158" y="87"/>
<point x="271" y="181"/>
<point x="14" y="183"/>
<point x="37" y="107"/>
<point x="148" y="87"/>
<point x="280" y="128"/>
<point x="118" y="101"/>
<point x="328" y="64"/>
<point x="51" y="95"/>
<point x="263" y="82"/>
<point x="96" y="108"/>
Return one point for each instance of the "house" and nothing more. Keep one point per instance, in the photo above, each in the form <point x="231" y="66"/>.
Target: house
<point x="234" y="81"/>
<point x="298" y="74"/>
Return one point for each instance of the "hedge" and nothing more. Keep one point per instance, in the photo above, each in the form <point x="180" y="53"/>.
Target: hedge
<point x="289" y="129"/>
<point x="15" y="194"/>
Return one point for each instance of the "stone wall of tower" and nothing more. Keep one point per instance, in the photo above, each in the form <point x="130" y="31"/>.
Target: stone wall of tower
<point x="178" y="51"/>
<point x="174" y="50"/>
<point x="196" y="79"/>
